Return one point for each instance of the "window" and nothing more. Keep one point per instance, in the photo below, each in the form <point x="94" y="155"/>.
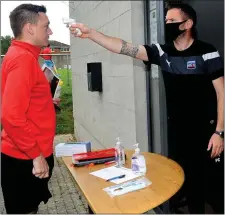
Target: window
<point x="64" y="49"/>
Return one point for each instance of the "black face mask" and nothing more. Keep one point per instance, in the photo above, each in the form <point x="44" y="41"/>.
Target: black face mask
<point x="173" y="31"/>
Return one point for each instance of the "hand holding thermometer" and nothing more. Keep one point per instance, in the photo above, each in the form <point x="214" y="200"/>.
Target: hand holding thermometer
<point x="69" y="22"/>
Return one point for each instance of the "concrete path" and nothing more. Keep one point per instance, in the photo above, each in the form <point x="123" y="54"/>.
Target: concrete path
<point x="66" y="196"/>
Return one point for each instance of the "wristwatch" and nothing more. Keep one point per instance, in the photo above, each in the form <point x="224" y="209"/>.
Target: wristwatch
<point x="220" y="133"/>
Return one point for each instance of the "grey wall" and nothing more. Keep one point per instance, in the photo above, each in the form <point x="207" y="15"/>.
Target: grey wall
<point x="120" y="109"/>
<point x="210" y="22"/>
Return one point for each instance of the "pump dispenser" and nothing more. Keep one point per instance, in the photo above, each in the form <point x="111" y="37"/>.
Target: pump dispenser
<point x="119" y="153"/>
<point x="138" y="163"/>
<point x="137" y="150"/>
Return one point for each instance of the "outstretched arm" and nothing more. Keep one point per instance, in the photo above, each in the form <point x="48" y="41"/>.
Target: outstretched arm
<point x="112" y="44"/>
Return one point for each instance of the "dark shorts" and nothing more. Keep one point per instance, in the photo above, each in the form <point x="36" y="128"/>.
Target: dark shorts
<point x="22" y="191"/>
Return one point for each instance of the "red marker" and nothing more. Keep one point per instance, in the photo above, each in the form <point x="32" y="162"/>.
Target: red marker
<point x="110" y="162"/>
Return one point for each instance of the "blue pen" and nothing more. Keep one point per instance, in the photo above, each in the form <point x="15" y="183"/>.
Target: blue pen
<point x="120" y="176"/>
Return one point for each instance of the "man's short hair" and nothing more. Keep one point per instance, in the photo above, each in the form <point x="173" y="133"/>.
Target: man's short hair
<point x="23" y="14"/>
<point x="188" y="11"/>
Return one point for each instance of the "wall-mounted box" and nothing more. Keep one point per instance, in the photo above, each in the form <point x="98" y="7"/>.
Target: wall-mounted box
<point x="94" y="76"/>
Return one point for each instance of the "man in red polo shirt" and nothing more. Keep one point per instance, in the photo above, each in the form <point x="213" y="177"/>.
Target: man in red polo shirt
<point x="47" y="50"/>
<point x="28" y="114"/>
<point x="48" y="58"/>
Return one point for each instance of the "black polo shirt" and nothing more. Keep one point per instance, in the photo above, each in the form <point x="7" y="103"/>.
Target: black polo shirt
<point x="188" y="77"/>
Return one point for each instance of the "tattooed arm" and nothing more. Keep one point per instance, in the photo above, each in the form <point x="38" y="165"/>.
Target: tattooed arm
<point x="118" y="46"/>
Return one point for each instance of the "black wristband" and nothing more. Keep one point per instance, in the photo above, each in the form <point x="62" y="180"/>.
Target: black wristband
<point x="220" y="133"/>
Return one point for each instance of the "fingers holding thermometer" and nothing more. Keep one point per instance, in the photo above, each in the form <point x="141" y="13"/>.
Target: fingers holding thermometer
<point x="69" y="22"/>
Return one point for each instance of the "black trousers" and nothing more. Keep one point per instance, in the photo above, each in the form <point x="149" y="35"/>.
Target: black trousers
<point x="204" y="177"/>
<point x="22" y="191"/>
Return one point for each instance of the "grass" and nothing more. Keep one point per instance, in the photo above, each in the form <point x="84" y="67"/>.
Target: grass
<point x="65" y="123"/>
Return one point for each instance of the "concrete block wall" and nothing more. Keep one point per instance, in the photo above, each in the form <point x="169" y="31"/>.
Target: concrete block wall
<point x="120" y="110"/>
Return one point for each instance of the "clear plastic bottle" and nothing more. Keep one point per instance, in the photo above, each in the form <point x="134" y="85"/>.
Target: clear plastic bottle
<point x="138" y="164"/>
<point x="119" y="153"/>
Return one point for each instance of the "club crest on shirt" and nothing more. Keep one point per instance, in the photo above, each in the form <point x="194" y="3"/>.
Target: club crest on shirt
<point x="191" y="64"/>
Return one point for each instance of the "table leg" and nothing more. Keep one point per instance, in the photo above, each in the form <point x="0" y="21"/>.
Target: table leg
<point x="158" y="210"/>
<point x="166" y="207"/>
<point x="90" y="210"/>
<point x="163" y="208"/>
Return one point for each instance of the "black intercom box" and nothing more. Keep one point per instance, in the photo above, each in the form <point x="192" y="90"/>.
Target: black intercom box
<point x="94" y="76"/>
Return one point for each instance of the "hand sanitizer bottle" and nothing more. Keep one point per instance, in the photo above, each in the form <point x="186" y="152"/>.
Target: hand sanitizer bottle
<point x="119" y="154"/>
<point x="138" y="164"/>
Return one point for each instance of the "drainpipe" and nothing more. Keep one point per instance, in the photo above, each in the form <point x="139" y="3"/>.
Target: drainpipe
<point x="160" y="15"/>
<point x="148" y="77"/>
<point x="164" y="208"/>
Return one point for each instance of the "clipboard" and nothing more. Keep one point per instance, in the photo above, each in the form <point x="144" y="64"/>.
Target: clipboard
<point x="54" y="82"/>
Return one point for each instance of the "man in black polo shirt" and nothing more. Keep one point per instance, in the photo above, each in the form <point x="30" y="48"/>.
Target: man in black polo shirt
<point x="193" y="76"/>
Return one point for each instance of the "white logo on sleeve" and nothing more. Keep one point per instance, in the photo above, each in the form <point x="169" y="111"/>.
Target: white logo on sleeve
<point x="168" y="62"/>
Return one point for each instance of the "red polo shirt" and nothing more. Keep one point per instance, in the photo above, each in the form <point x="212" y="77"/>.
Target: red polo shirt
<point x="28" y="114"/>
<point x="46" y="50"/>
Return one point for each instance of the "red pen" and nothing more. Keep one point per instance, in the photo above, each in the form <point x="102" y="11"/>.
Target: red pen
<point x="109" y="162"/>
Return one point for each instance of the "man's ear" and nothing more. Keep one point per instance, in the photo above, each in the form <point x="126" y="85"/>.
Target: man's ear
<point x="189" y="24"/>
<point x="29" y="28"/>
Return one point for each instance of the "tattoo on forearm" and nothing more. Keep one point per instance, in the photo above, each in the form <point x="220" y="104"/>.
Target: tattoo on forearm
<point x="129" y="49"/>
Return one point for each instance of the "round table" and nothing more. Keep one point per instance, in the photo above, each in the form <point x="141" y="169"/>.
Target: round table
<point x="165" y="174"/>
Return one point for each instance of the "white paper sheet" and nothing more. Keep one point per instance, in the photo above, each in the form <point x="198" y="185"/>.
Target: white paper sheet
<point x="113" y="171"/>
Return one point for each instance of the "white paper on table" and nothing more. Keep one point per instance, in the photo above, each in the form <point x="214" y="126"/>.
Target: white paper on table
<point x="113" y="171"/>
